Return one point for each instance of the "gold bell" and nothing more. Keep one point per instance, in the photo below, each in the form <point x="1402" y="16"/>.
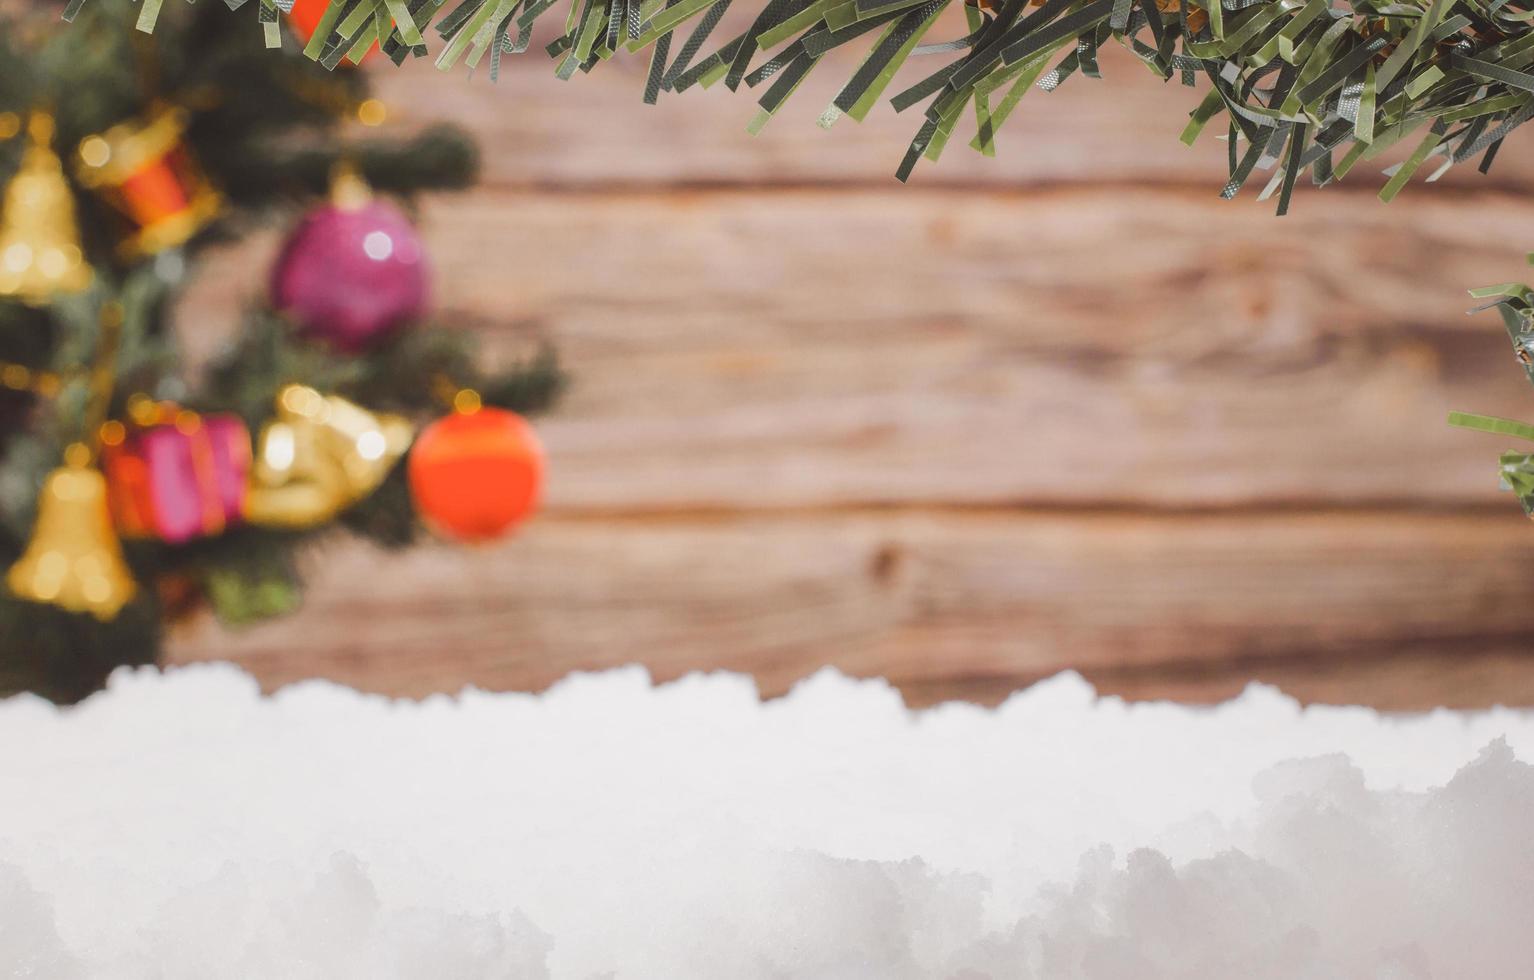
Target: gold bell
<point x="320" y="455"/>
<point x="40" y="255"/>
<point x="74" y="560"/>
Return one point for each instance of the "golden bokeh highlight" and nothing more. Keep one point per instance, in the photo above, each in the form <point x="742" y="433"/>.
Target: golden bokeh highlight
<point x="113" y="433"/>
<point x="372" y="112"/>
<point x="467" y="402"/>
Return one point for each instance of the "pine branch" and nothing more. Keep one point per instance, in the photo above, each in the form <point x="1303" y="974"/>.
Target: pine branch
<point x="249" y="571"/>
<point x="405" y="373"/>
<point x="1515" y="302"/>
<point x="65" y="657"/>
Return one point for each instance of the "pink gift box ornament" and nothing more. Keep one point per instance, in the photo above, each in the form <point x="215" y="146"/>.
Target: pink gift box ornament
<point x="179" y="480"/>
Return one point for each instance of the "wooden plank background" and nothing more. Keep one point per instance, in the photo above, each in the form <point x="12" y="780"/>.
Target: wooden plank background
<point x="1061" y="409"/>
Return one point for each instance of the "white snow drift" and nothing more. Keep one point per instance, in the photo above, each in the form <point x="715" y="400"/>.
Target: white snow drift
<point x="181" y="826"/>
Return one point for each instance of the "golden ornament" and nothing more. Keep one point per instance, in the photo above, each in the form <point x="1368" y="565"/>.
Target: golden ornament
<point x="74" y="559"/>
<point x="320" y="455"/>
<point x="146" y="171"/>
<point x="40" y="255"/>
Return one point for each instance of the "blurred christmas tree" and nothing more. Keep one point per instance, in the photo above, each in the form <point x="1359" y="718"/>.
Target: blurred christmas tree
<point x="131" y="491"/>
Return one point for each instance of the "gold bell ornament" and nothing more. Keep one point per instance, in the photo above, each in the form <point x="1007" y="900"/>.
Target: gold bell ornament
<point x="320" y="455"/>
<point x="40" y="255"/>
<point x="74" y="560"/>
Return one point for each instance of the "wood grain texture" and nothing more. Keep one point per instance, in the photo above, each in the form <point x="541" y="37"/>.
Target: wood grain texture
<point x="1082" y="347"/>
<point x="940" y="603"/>
<point x="1060" y="410"/>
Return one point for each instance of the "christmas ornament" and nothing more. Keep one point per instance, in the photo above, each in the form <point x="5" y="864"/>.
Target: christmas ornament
<point x="320" y="455"/>
<point x="182" y="476"/>
<point x="74" y="560"/>
<point x="353" y="270"/>
<point x="477" y="473"/>
<point x="147" y="172"/>
<point x="40" y="255"/>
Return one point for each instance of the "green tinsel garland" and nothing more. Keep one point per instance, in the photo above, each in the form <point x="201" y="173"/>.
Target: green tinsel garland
<point x="1302" y="85"/>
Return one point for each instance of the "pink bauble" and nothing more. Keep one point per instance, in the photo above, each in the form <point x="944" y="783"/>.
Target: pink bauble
<point x="351" y="274"/>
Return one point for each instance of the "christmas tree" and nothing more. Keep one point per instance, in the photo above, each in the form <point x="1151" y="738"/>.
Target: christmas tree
<point x="135" y="491"/>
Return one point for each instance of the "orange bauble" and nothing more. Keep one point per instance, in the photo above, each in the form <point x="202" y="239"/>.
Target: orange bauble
<point x="476" y="475"/>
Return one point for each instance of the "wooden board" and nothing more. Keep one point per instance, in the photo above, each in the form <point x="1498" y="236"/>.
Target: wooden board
<point x="963" y="434"/>
<point x="1055" y="347"/>
<point x="943" y="604"/>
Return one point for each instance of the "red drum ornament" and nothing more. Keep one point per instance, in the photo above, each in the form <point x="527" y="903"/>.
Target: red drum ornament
<point x="147" y="172"/>
<point x="475" y="475"/>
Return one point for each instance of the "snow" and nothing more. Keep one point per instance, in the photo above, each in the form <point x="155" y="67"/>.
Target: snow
<point x="181" y="825"/>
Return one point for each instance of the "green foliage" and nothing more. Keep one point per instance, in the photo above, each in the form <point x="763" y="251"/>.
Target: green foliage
<point x="66" y="657"/>
<point x="1515" y="302"/>
<point x="266" y="126"/>
<point x="412" y="372"/>
<point x="1302" y="85"/>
